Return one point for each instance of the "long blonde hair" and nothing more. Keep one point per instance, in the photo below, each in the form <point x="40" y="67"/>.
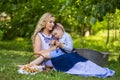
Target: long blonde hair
<point x="41" y="24"/>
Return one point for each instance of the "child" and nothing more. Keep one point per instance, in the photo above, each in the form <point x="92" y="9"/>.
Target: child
<point x="63" y="41"/>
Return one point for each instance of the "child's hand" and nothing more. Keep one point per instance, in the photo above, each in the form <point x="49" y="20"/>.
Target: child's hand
<point x="59" y="44"/>
<point x="52" y="43"/>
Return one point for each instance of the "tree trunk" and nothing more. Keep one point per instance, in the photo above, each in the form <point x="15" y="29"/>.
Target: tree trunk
<point x="108" y="30"/>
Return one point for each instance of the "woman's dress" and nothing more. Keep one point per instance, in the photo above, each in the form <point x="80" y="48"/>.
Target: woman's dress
<point x="73" y="63"/>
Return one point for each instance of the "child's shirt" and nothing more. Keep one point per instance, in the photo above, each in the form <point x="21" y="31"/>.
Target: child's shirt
<point x="67" y="41"/>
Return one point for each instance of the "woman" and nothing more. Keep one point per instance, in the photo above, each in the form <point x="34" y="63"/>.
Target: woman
<point x="42" y="35"/>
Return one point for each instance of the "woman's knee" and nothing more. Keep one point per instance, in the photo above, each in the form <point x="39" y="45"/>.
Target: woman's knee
<point x="46" y="55"/>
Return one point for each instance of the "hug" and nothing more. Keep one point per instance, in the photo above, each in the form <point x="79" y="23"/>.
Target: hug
<point x="54" y="47"/>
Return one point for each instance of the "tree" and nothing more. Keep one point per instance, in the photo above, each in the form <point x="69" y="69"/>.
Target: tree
<point x="75" y="15"/>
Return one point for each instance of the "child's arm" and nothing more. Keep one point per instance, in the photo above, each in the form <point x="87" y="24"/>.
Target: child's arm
<point x="67" y="43"/>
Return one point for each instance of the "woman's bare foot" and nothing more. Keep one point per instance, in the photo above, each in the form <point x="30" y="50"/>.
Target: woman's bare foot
<point x="22" y="66"/>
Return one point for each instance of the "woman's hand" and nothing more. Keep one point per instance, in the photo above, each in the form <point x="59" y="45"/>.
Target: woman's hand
<point x="53" y="47"/>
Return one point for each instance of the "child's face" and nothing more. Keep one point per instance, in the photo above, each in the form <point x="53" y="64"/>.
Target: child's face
<point x="57" y="33"/>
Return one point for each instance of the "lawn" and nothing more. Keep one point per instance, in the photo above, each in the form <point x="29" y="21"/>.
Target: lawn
<point x="18" y="52"/>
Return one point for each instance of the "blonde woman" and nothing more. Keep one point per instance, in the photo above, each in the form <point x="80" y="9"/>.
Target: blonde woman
<point x="42" y="36"/>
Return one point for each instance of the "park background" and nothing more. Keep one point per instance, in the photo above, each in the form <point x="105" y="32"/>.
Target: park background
<point x="93" y="24"/>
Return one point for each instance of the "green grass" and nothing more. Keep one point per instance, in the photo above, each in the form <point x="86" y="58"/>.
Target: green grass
<point x="8" y="70"/>
<point x="19" y="50"/>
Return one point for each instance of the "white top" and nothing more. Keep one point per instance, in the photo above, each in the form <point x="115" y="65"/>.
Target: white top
<point x="46" y="44"/>
<point x="45" y="41"/>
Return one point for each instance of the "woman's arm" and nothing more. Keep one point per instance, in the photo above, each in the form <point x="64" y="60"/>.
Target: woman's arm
<point x="37" y="46"/>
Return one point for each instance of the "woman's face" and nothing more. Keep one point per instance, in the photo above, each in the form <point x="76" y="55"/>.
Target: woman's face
<point x="50" y="23"/>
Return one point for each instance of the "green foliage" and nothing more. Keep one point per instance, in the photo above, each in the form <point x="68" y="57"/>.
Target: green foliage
<point x="73" y="14"/>
<point x="1" y="34"/>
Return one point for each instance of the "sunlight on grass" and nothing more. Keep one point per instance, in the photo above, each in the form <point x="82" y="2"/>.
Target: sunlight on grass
<point x="19" y="39"/>
<point x="116" y="43"/>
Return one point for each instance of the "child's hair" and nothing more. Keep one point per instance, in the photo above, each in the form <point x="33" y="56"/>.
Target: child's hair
<point x="57" y="26"/>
